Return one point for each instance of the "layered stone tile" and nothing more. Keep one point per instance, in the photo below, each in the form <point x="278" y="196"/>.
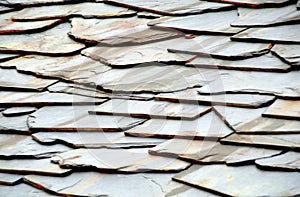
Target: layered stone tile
<point x="288" y="52"/>
<point x="285" y="109"/>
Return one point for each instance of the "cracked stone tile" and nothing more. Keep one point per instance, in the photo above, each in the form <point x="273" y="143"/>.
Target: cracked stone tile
<point x="32" y="166"/>
<point x="22" y="3"/>
<point x="290" y="141"/>
<point x="151" y="109"/>
<point x="9" y="179"/>
<point x="118" y="31"/>
<point x="285" y="109"/>
<point x="236" y="100"/>
<point x="289" y="161"/>
<point x="54" y="41"/>
<point x="198" y="151"/>
<point x="86" y="10"/>
<point x="199" y="128"/>
<point x="18" y="111"/>
<point x="278" y="34"/>
<point x="267" y="63"/>
<point x="9" y="98"/>
<point x="171" y="7"/>
<point x="255" y="3"/>
<point x="77" y="118"/>
<point x="94" y="139"/>
<point x="265" y="17"/>
<point x="288" y="53"/>
<point x="16" y="124"/>
<point x="231" y="181"/>
<point x="21" y="189"/>
<point x="12" y="79"/>
<point x="213" y="22"/>
<point x="220" y="47"/>
<point x="122" y="160"/>
<point x="23" y="146"/>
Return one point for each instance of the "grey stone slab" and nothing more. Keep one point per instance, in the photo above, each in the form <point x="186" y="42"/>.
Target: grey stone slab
<point x="50" y="42"/>
<point x="198" y="151"/>
<point x="17" y="111"/>
<point x="278" y="34"/>
<point x="171" y="7"/>
<point x="289" y="161"/>
<point x="212" y="22"/>
<point x="76" y="118"/>
<point x="16" y="124"/>
<point x="23" y="189"/>
<point x="288" y="52"/>
<point x="9" y="179"/>
<point x="208" y="125"/>
<point x="150" y="109"/>
<point x="86" y="9"/>
<point x="255" y="3"/>
<point x="236" y="100"/>
<point x="285" y="109"/>
<point x="123" y="160"/>
<point x="241" y="181"/>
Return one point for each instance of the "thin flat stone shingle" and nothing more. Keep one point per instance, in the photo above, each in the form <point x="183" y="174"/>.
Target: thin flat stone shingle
<point x="284" y="109"/>
<point x="288" y="52"/>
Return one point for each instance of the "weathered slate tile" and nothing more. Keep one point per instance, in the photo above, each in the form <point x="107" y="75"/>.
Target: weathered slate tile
<point x="9" y="98"/>
<point x="9" y="179"/>
<point x="237" y="100"/>
<point x="171" y="7"/>
<point x="23" y="146"/>
<point x="278" y="34"/>
<point x="198" y="151"/>
<point x="86" y="10"/>
<point x="32" y="166"/>
<point x="18" y="111"/>
<point x="118" y="31"/>
<point x="150" y="109"/>
<point x="255" y="3"/>
<point x="219" y="46"/>
<point x="212" y="22"/>
<point x="51" y="42"/>
<point x="10" y="78"/>
<point x="232" y="181"/>
<point x="286" y="109"/>
<point x="17" y="124"/>
<point x="25" y="189"/>
<point x="22" y="3"/>
<point x="94" y="139"/>
<point x="76" y="118"/>
<point x="267" y="63"/>
<point x="123" y="160"/>
<point x="288" y="53"/>
<point x="199" y="128"/>
<point x="290" y="141"/>
<point x="289" y="161"/>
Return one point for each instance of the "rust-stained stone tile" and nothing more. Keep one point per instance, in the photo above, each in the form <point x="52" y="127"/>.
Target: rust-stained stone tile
<point x="210" y="151"/>
<point x="213" y="22"/>
<point x="51" y="42"/>
<point x="32" y="166"/>
<point x="255" y="3"/>
<point x="23" y="146"/>
<point x="172" y="7"/>
<point x="278" y="34"/>
<point x="150" y="109"/>
<point x="288" y="52"/>
<point x="17" y="124"/>
<point x="10" y="78"/>
<point x="241" y="181"/>
<point x="23" y="189"/>
<point x="9" y="98"/>
<point x="86" y="10"/>
<point x="18" y="111"/>
<point x="290" y="141"/>
<point x="289" y="161"/>
<point x="95" y="139"/>
<point x="123" y="160"/>
<point x="9" y="179"/>
<point x="76" y="118"/>
<point x="264" y="17"/>
<point x="208" y="125"/>
<point x="267" y="63"/>
<point x="118" y="31"/>
<point x="285" y="109"/>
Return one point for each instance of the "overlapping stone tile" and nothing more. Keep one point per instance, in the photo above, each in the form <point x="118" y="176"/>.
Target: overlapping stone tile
<point x="51" y="42"/>
<point x="208" y="125"/>
<point x="118" y="31"/>
<point x="198" y="151"/>
<point x="5" y="57"/>
<point x="76" y="118"/>
<point x="123" y="160"/>
<point x="212" y="22"/>
<point x="22" y="3"/>
<point x="285" y="109"/>
<point x="86" y="10"/>
<point x="290" y="141"/>
<point x="289" y="161"/>
<point x="18" y="111"/>
<point x="9" y="179"/>
<point x="241" y="181"/>
<point x="4" y="9"/>
<point x="278" y="34"/>
<point x="148" y="15"/>
<point x="16" y="124"/>
<point x="288" y="52"/>
<point x="171" y="7"/>
<point x="23" y="146"/>
<point x="25" y="189"/>
<point x="255" y="3"/>
<point x="150" y="109"/>
<point x="94" y="139"/>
